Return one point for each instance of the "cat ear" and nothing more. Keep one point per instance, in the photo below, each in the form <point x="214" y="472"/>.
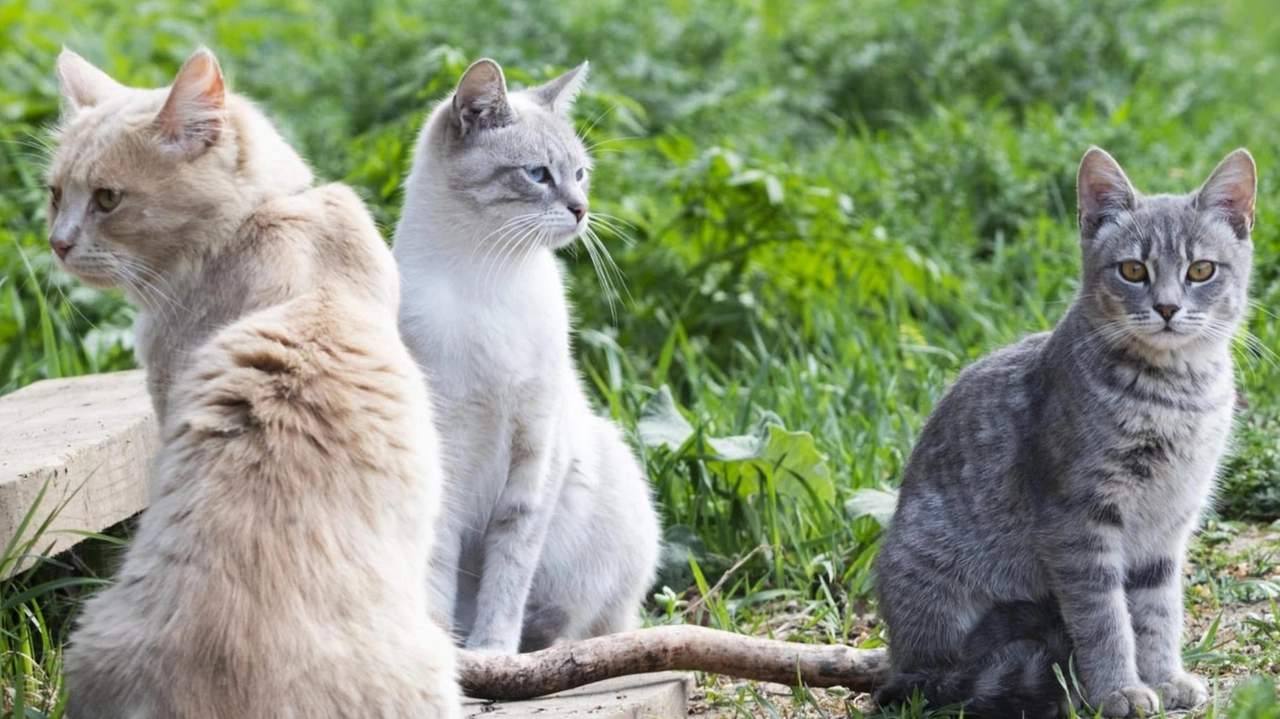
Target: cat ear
<point x="1231" y="191"/>
<point x="480" y="102"/>
<point x="194" y="114"/>
<point x="83" y="85"/>
<point x="558" y="94"/>
<point x="1103" y="191"/>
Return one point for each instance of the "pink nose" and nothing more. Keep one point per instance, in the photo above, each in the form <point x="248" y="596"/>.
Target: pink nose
<point x="579" y="211"/>
<point x="62" y="247"/>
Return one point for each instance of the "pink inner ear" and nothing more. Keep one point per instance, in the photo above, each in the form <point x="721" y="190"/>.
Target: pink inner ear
<point x="1232" y="194"/>
<point x="1231" y="191"/>
<point x="193" y="114"/>
<point x="1105" y="192"/>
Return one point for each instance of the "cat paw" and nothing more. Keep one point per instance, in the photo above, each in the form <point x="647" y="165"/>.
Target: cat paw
<point x="1184" y="691"/>
<point x="1130" y="701"/>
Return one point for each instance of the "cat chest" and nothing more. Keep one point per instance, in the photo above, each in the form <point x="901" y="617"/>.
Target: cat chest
<point x="1160" y="467"/>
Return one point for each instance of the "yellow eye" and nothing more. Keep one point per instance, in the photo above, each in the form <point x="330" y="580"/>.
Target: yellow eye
<point x="1133" y="271"/>
<point x="107" y="198"/>
<point x="1201" y="271"/>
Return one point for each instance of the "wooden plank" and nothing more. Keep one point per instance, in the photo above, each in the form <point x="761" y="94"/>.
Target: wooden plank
<point x="90" y="439"/>
<point x="664" y="695"/>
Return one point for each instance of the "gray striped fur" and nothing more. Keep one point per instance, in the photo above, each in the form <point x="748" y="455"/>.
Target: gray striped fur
<point x="1045" y="510"/>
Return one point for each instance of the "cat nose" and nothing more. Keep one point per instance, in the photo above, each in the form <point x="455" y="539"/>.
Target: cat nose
<point x="61" y="246"/>
<point x="1167" y="311"/>
<point x="579" y="211"/>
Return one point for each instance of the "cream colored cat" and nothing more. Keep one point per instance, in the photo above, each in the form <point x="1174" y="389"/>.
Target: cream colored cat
<point x="281" y="568"/>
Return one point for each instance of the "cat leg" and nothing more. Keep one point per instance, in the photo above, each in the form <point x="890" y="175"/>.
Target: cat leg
<point x="514" y="539"/>
<point x="629" y="527"/>
<point x="443" y="576"/>
<point x="1154" y="592"/>
<point x="543" y="626"/>
<point x="602" y="554"/>
<point x="1084" y="563"/>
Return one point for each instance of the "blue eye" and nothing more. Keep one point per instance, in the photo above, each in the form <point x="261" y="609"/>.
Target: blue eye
<point x="540" y="175"/>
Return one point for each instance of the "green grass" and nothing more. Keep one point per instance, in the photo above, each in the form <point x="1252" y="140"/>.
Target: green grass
<point x="833" y="208"/>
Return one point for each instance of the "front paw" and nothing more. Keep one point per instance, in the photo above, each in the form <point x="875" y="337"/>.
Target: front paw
<point x="1130" y="701"/>
<point x="1184" y="691"/>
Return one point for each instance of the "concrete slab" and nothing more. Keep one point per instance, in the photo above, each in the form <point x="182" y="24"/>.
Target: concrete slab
<point x="90" y="440"/>
<point x="646" y="696"/>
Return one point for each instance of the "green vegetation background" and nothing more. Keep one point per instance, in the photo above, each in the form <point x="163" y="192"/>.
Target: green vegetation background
<point x="830" y="208"/>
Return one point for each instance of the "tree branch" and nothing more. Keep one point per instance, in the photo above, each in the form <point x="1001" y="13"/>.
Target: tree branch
<point x="566" y="666"/>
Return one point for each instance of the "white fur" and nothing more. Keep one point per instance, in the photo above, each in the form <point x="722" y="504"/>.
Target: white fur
<point x="545" y="507"/>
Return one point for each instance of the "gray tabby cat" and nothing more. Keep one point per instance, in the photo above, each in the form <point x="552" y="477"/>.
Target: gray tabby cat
<point x="1045" y="511"/>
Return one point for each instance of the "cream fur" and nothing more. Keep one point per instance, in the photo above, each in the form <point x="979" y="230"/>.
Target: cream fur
<point x="280" y="568"/>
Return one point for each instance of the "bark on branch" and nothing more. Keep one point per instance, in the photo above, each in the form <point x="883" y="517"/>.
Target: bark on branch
<point x="566" y="666"/>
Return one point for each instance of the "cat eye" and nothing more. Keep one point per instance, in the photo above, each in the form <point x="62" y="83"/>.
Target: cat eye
<point x="55" y="196"/>
<point x="1201" y="271"/>
<point x="581" y="173"/>
<point x="540" y="174"/>
<point x="1133" y="271"/>
<point x="107" y="198"/>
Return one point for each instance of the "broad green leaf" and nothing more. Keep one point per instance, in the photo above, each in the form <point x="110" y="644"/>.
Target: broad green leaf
<point x="776" y="458"/>
<point x="661" y="424"/>
<point x="878" y="504"/>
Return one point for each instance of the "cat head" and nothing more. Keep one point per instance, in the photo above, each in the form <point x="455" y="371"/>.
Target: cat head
<point x="145" y="180"/>
<point x="511" y="161"/>
<point x="1166" y="271"/>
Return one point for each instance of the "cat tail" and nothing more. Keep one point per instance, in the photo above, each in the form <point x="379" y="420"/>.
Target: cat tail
<point x="1006" y="668"/>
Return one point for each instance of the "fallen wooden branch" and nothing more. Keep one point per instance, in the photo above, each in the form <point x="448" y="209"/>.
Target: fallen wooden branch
<point x="567" y="666"/>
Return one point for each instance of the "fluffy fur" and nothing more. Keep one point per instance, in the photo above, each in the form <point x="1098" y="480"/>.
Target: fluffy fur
<point x="1045" y="510"/>
<point x="279" y="569"/>
<point x="550" y="531"/>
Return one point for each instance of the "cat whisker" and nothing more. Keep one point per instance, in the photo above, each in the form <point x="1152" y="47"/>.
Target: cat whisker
<point x="511" y="224"/>
<point x="601" y="146"/>
<point x="503" y="243"/>
<point x="1255" y="348"/>
<point x="614" y="219"/>
<point x="66" y="301"/>
<point x="602" y="115"/>
<point x="495" y="248"/>
<point x="160" y="281"/>
<point x="1102" y="337"/>
<point x="1259" y="307"/>
<point x="604" y="281"/>
<point x="41" y="156"/>
<point x="513" y="246"/>
<point x="151" y="297"/>
<point x="610" y="275"/>
<point x="32" y="142"/>
<point x="40" y="162"/>
<point x="538" y="241"/>
<point x="144" y="280"/>
<point x="609" y="223"/>
<point x="610" y="264"/>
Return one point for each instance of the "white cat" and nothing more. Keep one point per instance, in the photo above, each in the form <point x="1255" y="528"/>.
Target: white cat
<point x="550" y="532"/>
